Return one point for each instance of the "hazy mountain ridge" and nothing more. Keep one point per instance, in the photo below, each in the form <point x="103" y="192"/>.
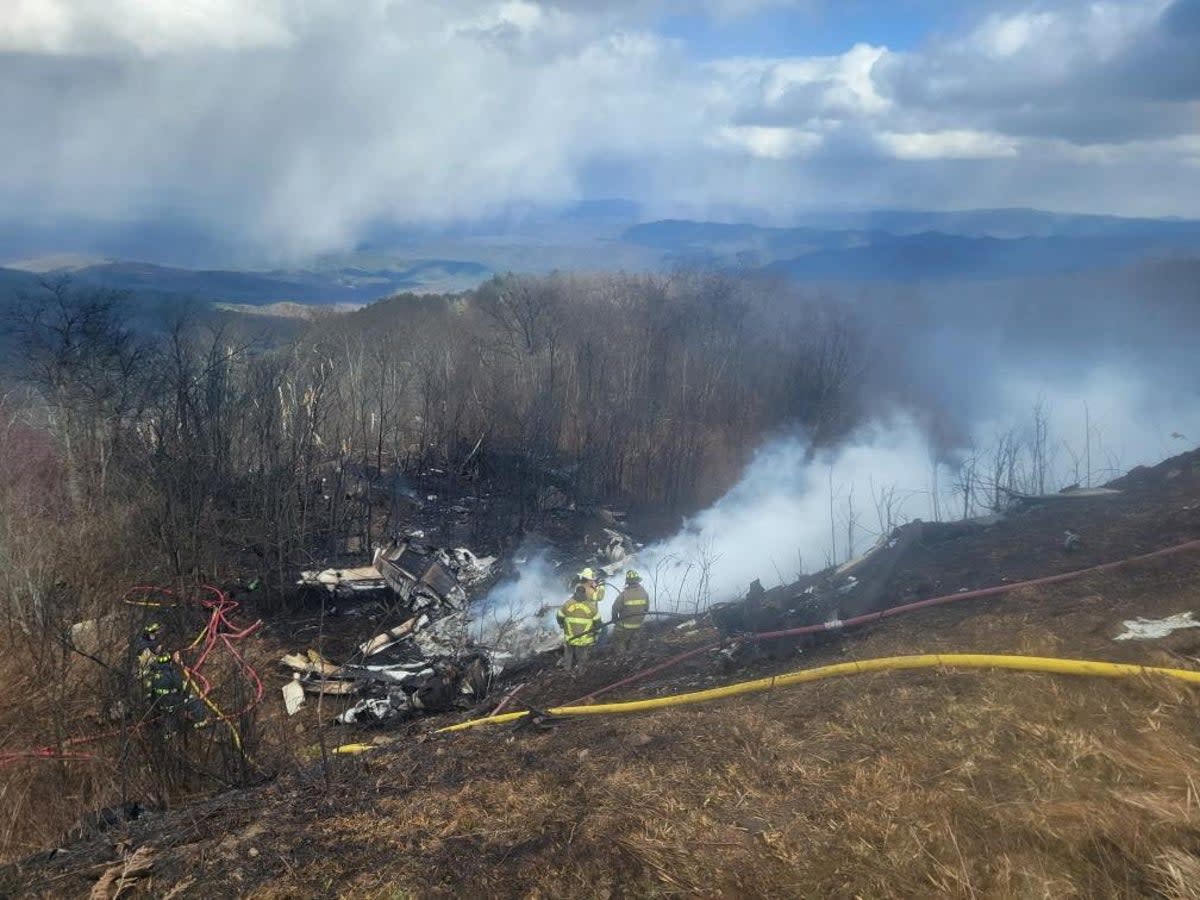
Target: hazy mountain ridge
<point x="319" y="287"/>
<point x="852" y="247"/>
<point x="967" y="246"/>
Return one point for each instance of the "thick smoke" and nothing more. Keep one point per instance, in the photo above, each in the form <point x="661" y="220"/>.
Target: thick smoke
<point x="776" y="521"/>
<point x="793" y="512"/>
<point x="789" y="514"/>
<point x="1078" y="379"/>
<point x="517" y="616"/>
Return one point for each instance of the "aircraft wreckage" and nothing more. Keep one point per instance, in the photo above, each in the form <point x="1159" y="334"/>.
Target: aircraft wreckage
<point x="442" y="652"/>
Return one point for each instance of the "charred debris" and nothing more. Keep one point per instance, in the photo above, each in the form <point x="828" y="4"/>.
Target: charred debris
<point x="449" y="646"/>
<point x="424" y="663"/>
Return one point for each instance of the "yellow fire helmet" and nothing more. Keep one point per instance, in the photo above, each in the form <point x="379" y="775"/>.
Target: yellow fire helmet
<point x="632" y="575"/>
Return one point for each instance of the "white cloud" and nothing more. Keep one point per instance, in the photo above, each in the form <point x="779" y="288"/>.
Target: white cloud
<point x="1053" y="39"/>
<point x="295" y="124"/>
<point x="845" y="81"/>
<point x="149" y="26"/>
<point x="954" y="144"/>
<point x="768" y="143"/>
<point x="831" y="86"/>
<point x="1031" y="56"/>
<point x="1005" y="36"/>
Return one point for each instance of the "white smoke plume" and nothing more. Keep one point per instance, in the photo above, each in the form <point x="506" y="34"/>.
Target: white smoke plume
<point x="517" y="615"/>
<point x="791" y="514"/>
<point x="775" y="523"/>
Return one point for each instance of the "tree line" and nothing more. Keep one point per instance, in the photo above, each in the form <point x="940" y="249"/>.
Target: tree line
<point x="220" y="448"/>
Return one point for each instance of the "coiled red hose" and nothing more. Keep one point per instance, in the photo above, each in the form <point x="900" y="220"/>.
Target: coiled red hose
<point x="219" y="631"/>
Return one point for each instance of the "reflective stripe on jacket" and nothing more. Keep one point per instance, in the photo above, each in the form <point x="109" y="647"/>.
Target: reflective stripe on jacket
<point x="579" y="620"/>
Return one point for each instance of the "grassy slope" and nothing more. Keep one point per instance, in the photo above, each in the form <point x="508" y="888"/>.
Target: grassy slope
<point x="912" y="784"/>
<point x="967" y="784"/>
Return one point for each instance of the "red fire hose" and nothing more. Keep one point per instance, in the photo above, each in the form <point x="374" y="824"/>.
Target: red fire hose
<point x="218" y="632"/>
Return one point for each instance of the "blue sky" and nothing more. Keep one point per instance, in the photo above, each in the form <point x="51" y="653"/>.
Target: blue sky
<point x="298" y="125"/>
<point x="807" y="31"/>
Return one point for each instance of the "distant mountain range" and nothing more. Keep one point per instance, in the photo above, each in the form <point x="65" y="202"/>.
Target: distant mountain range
<point x="874" y="246"/>
<point x="317" y="287"/>
<point x="969" y="247"/>
<point x="998" y="223"/>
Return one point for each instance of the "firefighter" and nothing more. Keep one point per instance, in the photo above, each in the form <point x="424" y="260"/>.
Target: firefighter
<point x="595" y="587"/>
<point x="629" y="612"/>
<point x="579" y="618"/>
<point x="149" y="643"/>
<point x="163" y="680"/>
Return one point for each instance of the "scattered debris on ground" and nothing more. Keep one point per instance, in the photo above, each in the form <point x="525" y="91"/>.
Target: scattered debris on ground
<point x="427" y="663"/>
<point x="1152" y="629"/>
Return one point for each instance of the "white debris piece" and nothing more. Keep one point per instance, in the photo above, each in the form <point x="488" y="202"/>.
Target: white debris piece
<point x="392" y="636"/>
<point x="293" y="695"/>
<point x="617" y="547"/>
<point x="362" y="578"/>
<point x="398" y="673"/>
<point x="1141" y="629"/>
<point x="374" y="710"/>
<point x="471" y="569"/>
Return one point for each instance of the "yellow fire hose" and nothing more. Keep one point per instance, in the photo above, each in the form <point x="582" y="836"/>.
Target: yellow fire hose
<point x="351" y="749"/>
<point x="883" y="664"/>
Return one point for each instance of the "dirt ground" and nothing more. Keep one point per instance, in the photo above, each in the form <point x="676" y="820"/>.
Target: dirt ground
<point x="916" y="784"/>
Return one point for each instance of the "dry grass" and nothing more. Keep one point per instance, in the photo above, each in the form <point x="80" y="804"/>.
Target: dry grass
<point x="980" y="785"/>
<point x="915" y="784"/>
<point x="49" y="802"/>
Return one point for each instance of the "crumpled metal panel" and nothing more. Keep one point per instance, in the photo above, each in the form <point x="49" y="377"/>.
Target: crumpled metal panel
<point x="405" y="566"/>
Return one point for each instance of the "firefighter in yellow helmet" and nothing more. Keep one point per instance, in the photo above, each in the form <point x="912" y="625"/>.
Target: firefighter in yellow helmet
<point x="629" y="612"/>
<point x="594" y="582"/>
<point x="595" y="587"/>
<point x="579" y="618"/>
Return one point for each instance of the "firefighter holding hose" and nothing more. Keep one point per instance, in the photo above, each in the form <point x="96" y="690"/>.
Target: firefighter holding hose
<point x="579" y="618"/>
<point x="629" y="612"/>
